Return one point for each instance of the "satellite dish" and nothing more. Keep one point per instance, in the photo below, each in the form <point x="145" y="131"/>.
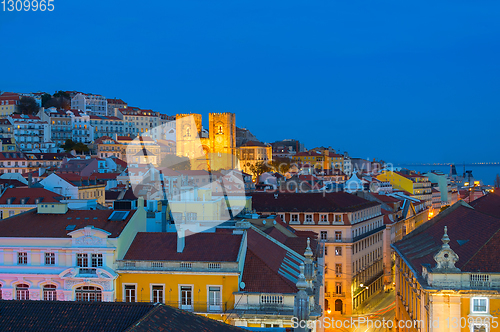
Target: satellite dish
<point x="242" y="285"/>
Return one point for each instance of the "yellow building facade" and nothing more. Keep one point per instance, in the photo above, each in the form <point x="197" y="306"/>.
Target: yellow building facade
<point x="198" y="273"/>
<point x="252" y="153"/>
<point x="417" y="185"/>
<point x="323" y="159"/>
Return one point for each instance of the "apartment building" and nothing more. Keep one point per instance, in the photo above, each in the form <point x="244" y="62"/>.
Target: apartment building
<point x="141" y="122"/>
<point x="90" y="103"/>
<point x="107" y="126"/>
<point x="30" y="132"/>
<point x="60" y="124"/>
<point x="351" y="231"/>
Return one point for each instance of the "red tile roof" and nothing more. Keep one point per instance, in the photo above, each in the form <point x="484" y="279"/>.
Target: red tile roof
<point x="487" y="204"/>
<point x="30" y="195"/>
<point x="420" y="246"/>
<point x="261" y="273"/>
<point x="54" y="225"/>
<point x="221" y="246"/>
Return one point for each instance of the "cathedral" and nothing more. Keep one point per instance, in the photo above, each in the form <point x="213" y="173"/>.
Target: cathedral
<point x="214" y="150"/>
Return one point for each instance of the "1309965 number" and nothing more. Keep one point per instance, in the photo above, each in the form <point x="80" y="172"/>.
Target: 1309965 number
<point x="27" y="5"/>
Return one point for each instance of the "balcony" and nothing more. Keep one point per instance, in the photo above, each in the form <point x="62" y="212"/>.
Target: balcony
<point x="178" y="266"/>
<point x="199" y="307"/>
<point x="90" y="272"/>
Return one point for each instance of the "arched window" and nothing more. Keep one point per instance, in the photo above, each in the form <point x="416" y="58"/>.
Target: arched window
<point x="49" y="293"/>
<point x="88" y="293"/>
<point x="22" y="292"/>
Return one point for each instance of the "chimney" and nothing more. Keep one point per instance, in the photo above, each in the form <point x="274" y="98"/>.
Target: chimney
<point x="140" y="203"/>
<point x="181" y="240"/>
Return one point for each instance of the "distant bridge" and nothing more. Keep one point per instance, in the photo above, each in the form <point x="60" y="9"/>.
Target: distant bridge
<point x="448" y="164"/>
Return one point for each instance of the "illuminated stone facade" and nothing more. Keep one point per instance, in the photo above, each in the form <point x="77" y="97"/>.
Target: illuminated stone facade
<point x="217" y="151"/>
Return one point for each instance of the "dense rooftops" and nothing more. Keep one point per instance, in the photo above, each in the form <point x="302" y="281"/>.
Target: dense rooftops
<point x="308" y="202"/>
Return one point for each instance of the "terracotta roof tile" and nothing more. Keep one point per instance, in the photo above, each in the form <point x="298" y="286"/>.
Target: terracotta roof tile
<point x="30" y="195"/>
<point x="205" y="247"/>
<point x="420" y="246"/>
<point x="54" y="225"/>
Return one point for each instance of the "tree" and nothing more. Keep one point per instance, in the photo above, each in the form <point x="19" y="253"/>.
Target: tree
<point x="81" y="148"/>
<point x="60" y="100"/>
<point x="258" y="169"/>
<point x="175" y="162"/>
<point x="28" y="106"/>
<point x="45" y="98"/>
<point x="62" y="94"/>
<point x="497" y="181"/>
<point x="68" y="145"/>
<point x="280" y="165"/>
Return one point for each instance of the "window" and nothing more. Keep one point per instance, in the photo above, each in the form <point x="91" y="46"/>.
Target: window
<point x="88" y="293"/>
<point x="479" y="327"/>
<point x="22" y="258"/>
<point x="82" y="260"/>
<point x="309" y="218"/>
<point x="22" y="292"/>
<point x="130" y="294"/>
<point x="186" y="297"/>
<point x="282" y="217"/>
<point x="50" y="258"/>
<point x="96" y="260"/>
<point x="214" y="298"/>
<point x="324" y="235"/>
<point x="271" y="299"/>
<point x="338" y="270"/>
<point x="49" y="293"/>
<point x="157" y="293"/>
<point x="338" y="287"/>
<point x="323" y="218"/>
<point x="338" y="251"/>
<point x="295" y="218"/>
<point x="326" y="251"/>
<point x="338" y="236"/>
<point x="338" y="218"/>
<point x="480" y="305"/>
<point x="11" y="213"/>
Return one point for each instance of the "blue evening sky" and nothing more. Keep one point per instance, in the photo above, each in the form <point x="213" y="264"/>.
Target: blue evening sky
<point x="406" y="81"/>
